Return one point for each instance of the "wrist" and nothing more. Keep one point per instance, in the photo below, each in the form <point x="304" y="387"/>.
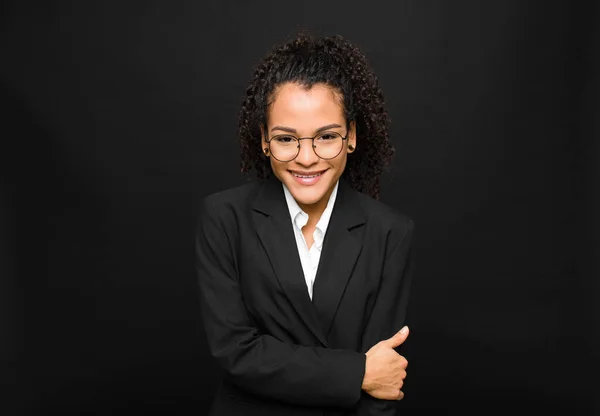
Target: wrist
<point x="366" y="383"/>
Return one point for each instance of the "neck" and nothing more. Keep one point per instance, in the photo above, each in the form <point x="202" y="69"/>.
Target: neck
<point x="315" y="210"/>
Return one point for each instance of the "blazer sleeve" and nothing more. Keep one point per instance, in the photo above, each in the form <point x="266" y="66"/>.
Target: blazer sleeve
<point x="260" y="363"/>
<point x="389" y="311"/>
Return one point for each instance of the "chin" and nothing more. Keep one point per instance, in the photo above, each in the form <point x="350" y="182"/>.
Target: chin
<point x="303" y="199"/>
<point x="308" y="195"/>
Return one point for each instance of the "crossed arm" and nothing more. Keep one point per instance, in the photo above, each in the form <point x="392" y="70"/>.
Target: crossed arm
<point x="268" y="367"/>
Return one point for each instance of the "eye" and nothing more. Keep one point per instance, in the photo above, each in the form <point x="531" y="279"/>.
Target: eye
<point x="283" y="139"/>
<point x="329" y="136"/>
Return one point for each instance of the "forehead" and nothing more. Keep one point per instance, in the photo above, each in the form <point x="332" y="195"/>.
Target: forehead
<point x="298" y="107"/>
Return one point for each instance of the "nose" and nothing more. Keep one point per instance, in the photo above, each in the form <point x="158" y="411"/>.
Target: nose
<point x="307" y="155"/>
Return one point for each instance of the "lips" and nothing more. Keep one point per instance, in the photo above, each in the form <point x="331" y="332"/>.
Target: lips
<point x="307" y="178"/>
<point x="312" y="174"/>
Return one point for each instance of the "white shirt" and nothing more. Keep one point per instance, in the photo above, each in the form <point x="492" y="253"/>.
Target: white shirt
<point x="309" y="258"/>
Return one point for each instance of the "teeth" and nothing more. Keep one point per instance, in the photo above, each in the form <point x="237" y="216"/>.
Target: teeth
<point x="304" y="176"/>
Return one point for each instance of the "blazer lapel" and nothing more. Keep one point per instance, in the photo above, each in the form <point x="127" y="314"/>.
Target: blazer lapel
<point x="339" y="254"/>
<point x="276" y="234"/>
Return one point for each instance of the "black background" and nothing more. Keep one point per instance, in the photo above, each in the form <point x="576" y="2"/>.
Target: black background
<point x="119" y="117"/>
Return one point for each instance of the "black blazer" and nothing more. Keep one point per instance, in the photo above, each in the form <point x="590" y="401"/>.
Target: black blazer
<point x="282" y="353"/>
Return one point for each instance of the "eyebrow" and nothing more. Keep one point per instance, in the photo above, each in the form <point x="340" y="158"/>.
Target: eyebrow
<point x="320" y="129"/>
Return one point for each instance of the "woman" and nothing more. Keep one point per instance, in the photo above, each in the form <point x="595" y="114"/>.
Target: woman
<point x="304" y="274"/>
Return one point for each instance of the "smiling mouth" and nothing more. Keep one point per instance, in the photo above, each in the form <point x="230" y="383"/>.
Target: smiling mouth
<point x="308" y="175"/>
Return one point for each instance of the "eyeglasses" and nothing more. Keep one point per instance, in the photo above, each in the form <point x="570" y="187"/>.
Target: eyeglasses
<point x="286" y="147"/>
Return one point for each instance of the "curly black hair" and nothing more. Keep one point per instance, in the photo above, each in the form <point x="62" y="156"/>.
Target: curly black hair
<point x="333" y="61"/>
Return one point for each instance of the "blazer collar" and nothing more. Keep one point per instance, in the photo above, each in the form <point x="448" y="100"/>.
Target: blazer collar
<point x="339" y="253"/>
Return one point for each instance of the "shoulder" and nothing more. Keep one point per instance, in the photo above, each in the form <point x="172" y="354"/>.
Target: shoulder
<point x="233" y="196"/>
<point x="385" y="218"/>
<point x="229" y="202"/>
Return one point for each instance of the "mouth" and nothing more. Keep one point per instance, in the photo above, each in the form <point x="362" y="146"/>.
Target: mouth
<point x="307" y="178"/>
<point x="307" y="175"/>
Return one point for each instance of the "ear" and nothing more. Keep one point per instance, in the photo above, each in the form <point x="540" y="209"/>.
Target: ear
<point x="351" y="137"/>
<point x="264" y="145"/>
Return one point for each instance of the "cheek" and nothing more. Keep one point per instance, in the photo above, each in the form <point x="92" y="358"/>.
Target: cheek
<point x="277" y="166"/>
<point x="340" y="163"/>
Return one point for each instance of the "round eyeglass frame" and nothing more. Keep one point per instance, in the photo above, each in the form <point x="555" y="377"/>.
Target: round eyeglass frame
<point x="307" y="138"/>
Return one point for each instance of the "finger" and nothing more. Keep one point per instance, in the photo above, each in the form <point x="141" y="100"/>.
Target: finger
<point x="400" y="395"/>
<point x="398" y="338"/>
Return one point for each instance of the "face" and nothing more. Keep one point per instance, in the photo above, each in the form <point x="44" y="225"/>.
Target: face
<point x="304" y="113"/>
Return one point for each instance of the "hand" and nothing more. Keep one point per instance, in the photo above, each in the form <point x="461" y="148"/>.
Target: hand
<point x="386" y="369"/>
